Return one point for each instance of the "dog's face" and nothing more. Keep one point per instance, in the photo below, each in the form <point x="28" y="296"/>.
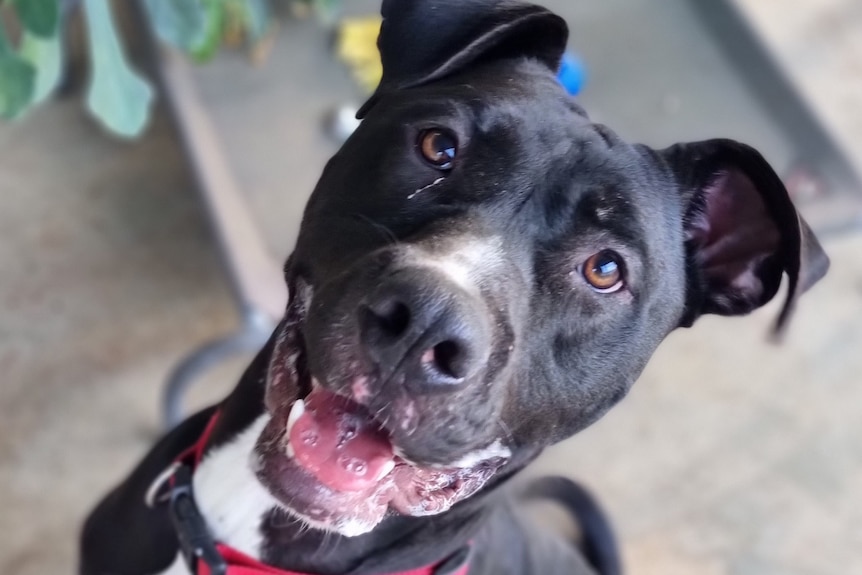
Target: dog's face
<point x="482" y="271"/>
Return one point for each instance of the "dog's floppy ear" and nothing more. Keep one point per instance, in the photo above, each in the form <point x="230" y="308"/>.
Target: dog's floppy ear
<point x="742" y="231"/>
<point x="424" y="40"/>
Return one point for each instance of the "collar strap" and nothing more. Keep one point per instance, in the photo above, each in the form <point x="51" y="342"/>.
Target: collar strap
<point x="239" y="564"/>
<point x="205" y="556"/>
<point x="193" y="454"/>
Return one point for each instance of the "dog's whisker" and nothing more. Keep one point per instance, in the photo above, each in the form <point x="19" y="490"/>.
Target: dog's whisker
<point x="380" y="412"/>
<point x="503" y="427"/>
<point x="388" y="234"/>
<point x="321" y="548"/>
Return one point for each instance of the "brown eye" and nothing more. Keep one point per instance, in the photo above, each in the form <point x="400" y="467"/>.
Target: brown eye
<point x="604" y="271"/>
<point x="438" y="148"/>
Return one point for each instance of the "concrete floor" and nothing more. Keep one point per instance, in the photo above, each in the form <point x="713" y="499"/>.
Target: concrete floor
<point x="730" y="457"/>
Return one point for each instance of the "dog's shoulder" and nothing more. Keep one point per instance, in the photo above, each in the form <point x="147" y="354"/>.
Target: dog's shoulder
<point x="123" y="531"/>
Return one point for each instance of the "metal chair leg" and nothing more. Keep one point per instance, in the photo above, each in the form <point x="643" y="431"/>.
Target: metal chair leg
<point x="249" y="338"/>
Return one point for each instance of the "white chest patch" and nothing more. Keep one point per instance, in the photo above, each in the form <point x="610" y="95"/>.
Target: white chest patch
<point x="230" y="497"/>
<point x="229" y="494"/>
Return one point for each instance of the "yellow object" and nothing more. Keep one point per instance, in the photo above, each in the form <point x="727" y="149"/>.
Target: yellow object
<point x="356" y="46"/>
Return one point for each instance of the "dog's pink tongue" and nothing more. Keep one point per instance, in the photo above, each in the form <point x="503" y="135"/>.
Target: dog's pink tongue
<point x="337" y="441"/>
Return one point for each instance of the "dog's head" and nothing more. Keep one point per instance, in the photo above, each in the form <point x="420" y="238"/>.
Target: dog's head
<point x="482" y="271"/>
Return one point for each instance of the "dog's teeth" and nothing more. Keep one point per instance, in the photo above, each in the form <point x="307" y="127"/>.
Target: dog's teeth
<point x="295" y="413"/>
<point x="288" y="448"/>
<point x="386" y="469"/>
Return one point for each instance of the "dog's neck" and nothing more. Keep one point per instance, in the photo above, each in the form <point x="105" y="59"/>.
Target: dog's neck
<point x="243" y="514"/>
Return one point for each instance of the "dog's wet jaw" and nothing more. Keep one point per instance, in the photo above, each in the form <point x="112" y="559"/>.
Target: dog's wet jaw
<point x="332" y="456"/>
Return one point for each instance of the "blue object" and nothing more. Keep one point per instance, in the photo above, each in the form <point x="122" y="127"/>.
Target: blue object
<point x="573" y="74"/>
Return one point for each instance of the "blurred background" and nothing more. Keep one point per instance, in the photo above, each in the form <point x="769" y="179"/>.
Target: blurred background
<point x="149" y="196"/>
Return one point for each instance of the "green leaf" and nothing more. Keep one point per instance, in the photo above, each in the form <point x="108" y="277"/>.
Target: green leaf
<point x="17" y="81"/>
<point x="46" y="57"/>
<point x="118" y="96"/>
<point x="38" y="17"/>
<point x="193" y="26"/>
<point x="207" y="48"/>
<point x="256" y="14"/>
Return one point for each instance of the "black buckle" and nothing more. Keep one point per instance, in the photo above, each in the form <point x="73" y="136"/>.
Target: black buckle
<point x="196" y="543"/>
<point x="455" y="562"/>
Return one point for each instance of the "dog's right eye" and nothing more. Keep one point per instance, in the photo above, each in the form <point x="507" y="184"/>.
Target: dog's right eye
<point x="438" y="148"/>
<point x="604" y="271"/>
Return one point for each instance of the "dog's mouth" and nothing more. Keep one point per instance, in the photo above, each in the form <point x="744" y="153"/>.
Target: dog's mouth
<point x="330" y="462"/>
<point x="338" y="442"/>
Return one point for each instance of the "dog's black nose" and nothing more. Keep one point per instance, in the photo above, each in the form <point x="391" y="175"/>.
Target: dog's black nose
<point x="424" y="331"/>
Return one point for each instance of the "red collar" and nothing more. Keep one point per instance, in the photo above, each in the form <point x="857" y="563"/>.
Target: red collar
<point x="239" y="564"/>
<point x="206" y="556"/>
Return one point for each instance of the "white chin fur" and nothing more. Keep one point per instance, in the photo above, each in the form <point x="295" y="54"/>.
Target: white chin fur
<point x="474" y="458"/>
<point x="348" y="527"/>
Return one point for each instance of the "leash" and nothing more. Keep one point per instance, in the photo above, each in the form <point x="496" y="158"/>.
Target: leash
<point x="204" y="555"/>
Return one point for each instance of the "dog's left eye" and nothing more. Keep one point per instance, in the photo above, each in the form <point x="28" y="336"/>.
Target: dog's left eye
<point x="438" y="148"/>
<point x="604" y="271"/>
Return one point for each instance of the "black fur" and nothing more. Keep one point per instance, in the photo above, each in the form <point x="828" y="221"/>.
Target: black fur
<point x="534" y="190"/>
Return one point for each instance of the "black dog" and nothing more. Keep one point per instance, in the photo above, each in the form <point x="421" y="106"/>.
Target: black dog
<point x="481" y="272"/>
